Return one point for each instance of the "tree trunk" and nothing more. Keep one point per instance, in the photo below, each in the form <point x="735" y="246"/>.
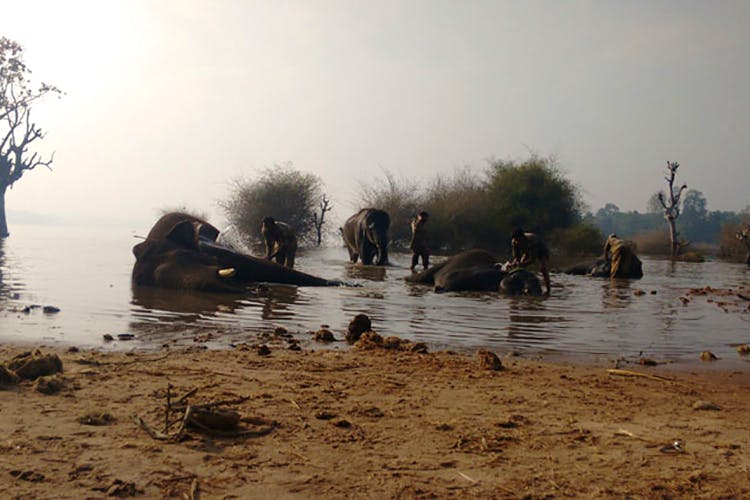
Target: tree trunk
<point x="3" y="221"/>
<point x="673" y="244"/>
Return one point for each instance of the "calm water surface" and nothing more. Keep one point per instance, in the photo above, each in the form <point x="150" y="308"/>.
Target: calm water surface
<point x="86" y="273"/>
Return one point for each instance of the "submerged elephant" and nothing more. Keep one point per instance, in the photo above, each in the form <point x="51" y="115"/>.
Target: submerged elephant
<point x="181" y="252"/>
<point x="477" y="270"/>
<point x="601" y="268"/>
<point x="366" y="236"/>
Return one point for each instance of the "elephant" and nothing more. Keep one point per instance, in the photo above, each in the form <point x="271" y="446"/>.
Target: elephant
<point x="598" y="268"/>
<point x="181" y="252"/>
<point x="366" y="236"/>
<point x="478" y="270"/>
<point x="601" y="268"/>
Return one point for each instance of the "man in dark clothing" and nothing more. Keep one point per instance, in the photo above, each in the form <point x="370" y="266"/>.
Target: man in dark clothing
<point x="528" y="249"/>
<point x="418" y="244"/>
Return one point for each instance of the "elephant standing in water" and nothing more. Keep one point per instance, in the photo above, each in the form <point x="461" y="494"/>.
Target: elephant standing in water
<point x="181" y="252"/>
<point x="366" y="236"/>
<point x="477" y="270"/>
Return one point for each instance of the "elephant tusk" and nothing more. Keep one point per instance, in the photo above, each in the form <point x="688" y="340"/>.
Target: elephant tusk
<point x="227" y="273"/>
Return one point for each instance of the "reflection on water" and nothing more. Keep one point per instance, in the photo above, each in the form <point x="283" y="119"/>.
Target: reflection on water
<point x="87" y="275"/>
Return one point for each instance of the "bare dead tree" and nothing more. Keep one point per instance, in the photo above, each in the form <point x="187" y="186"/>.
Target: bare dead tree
<point x="318" y="221"/>
<point x="17" y="130"/>
<point x="672" y="209"/>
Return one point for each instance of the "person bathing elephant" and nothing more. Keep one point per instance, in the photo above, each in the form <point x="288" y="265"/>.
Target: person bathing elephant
<point x="529" y="249"/>
<point x="418" y="244"/>
<point x="281" y="243"/>
<point x="618" y="261"/>
<point x="366" y="236"/>
<point x="623" y="263"/>
<point x="181" y="252"/>
<point x="477" y="270"/>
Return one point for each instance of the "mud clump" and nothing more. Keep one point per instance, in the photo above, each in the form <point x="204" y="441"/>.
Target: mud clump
<point x="33" y="364"/>
<point x="372" y="340"/>
<point x="488" y="360"/>
<point x="357" y="326"/>
<point x="7" y="378"/>
<point x="96" y="418"/>
<point x="324" y="335"/>
<point x="214" y="420"/>
<point x="49" y="385"/>
<point x="708" y="356"/>
<point x="263" y="350"/>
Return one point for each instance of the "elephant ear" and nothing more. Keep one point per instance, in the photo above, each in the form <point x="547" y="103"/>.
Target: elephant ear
<point x="183" y="234"/>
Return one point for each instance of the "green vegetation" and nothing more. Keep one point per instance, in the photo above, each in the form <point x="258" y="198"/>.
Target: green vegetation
<point x="469" y="210"/>
<point x="280" y="192"/>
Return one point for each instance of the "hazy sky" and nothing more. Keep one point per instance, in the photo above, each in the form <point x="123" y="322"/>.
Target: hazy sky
<point x="168" y="100"/>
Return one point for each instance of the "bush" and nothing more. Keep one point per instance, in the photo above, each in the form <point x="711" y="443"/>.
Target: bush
<point x="458" y="211"/>
<point x="467" y="210"/>
<point x="533" y="195"/>
<point x="280" y="192"/>
<point x="729" y="246"/>
<point x="577" y="241"/>
<point x="654" y="242"/>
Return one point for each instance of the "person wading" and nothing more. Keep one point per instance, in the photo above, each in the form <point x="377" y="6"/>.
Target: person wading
<point x="418" y="244"/>
<point x="529" y="249"/>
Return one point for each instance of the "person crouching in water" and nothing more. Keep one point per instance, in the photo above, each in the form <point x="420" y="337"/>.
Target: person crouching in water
<point x="623" y="263"/>
<point x="281" y="243"/>
<point x="528" y="249"/>
<point x="418" y="244"/>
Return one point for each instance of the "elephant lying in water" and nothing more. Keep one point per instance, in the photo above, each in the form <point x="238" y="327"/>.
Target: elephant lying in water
<point x="477" y="270"/>
<point x="601" y="268"/>
<point x="181" y="252"/>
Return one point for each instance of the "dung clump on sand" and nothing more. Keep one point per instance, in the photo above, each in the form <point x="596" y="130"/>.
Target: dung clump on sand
<point x="7" y="377"/>
<point x="49" y="385"/>
<point x="31" y="365"/>
<point x="324" y="335"/>
<point x="372" y="340"/>
<point x="357" y="326"/>
<point x="488" y="360"/>
<point x="96" y="418"/>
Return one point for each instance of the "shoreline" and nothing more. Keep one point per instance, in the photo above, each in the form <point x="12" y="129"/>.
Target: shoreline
<point x="376" y="423"/>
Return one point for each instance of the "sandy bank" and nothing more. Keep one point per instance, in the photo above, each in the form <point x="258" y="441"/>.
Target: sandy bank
<point x="376" y="424"/>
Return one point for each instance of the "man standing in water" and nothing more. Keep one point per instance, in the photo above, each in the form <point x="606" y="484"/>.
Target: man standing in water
<point x="418" y="244"/>
<point x="528" y="249"/>
<point x="622" y="260"/>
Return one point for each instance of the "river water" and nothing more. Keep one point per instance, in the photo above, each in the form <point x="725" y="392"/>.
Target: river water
<point x="86" y="273"/>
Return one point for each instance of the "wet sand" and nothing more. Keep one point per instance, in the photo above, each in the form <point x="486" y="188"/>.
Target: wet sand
<point x="376" y="424"/>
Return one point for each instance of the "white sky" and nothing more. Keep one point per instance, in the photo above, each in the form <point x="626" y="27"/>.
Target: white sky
<point x="169" y="100"/>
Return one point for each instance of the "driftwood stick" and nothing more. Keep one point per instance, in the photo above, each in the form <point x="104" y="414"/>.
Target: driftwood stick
<point x="628" y="373"/>
<point x="186" y="395"/>
<point x="194" y="491"/>
<point x="168" y="409"/>
<point x="150" y="430"/>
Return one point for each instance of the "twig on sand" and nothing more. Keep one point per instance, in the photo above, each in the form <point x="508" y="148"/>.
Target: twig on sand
<point x="194" y="491"/>
<point x="470" y="479"/>
<point x="628" y="373"/>
<point x="94" y="362"/>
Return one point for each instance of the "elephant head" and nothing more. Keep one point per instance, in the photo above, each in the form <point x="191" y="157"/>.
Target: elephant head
<point x="170" y="257"/>
<point x="377" y="234"/>
<point x="521" y="282"/>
